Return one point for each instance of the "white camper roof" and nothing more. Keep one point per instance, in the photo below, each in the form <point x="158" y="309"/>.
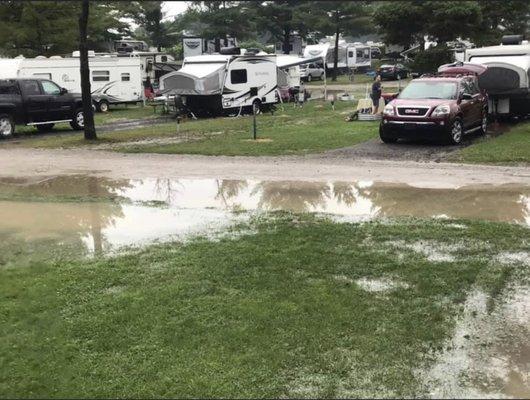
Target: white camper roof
<point x="9" y="67"/>
<point x="503" y="50"/>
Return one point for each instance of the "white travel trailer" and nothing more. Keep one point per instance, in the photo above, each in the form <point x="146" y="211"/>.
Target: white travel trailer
<point x="212" y="84"/>
<point x="113" y="80"/>
<point x="349" y="55"/>
<point x="197" y="46"/>
<point x="507" y="79"/>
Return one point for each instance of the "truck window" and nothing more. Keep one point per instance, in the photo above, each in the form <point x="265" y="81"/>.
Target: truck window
<point x="8" y="89"/>
<point x="100" y="76"/>
<point x="238" y="76"/>
<point x="50" y="88"/>
<point x="125" y="77"/>
<point x="30" y="87"/>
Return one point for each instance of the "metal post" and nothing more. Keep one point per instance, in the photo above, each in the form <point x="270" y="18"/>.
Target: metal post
<point x="254" y="120"/>
<point x="325" y="80"/>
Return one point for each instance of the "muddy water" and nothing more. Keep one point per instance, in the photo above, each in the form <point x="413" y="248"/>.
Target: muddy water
<point x="103" y="214"/>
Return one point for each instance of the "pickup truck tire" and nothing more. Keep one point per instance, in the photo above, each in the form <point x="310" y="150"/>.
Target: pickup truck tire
<point x="78" y="122"/>
<point x="103" y="106"/>
<point x="7" y="125"/>
<point x="45" y="127"/>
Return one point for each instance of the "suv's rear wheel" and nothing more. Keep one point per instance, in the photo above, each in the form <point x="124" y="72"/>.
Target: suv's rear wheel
<point x="7" y="125"/>
<point x="456" y="132"/>
<point x="45" y="127"/>
<point x="78" y="121"/>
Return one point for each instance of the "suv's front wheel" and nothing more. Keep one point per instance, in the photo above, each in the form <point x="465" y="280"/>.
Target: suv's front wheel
<point x="78" y="121"/>
<point x="456" y="132"/>
<point x="7" y="125"/>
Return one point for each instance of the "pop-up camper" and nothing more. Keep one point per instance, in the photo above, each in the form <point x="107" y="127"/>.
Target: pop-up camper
<point x="213" y="84"/>
<point x="507" y="79"/>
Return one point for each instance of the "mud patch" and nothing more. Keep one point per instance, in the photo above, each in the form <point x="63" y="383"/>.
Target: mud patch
<point x="380" y="285"/>
<point x="488" y="355"/>
<point x="258" y="140"/>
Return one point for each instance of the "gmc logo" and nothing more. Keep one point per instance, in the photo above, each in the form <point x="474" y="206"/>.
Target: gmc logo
<point x="411" y="111"/>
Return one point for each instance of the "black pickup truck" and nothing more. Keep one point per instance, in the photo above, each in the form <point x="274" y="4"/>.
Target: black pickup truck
<point x="37" y="102"/>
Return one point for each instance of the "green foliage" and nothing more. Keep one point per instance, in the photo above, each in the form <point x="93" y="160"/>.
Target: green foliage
<point x="34" y="28"/>
<point x="429" y="60"/>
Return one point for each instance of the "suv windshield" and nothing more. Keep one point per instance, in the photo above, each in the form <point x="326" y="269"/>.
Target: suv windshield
<point x="429" y="90"/>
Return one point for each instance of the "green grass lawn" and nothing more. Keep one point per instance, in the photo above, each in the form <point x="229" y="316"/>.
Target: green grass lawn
<point x="313" y="128"/>
<point x="278" y="308"/>
<point x="509" y="148"/>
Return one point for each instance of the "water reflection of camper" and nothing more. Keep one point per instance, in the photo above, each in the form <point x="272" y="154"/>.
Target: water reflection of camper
<point x="507" y="79"/>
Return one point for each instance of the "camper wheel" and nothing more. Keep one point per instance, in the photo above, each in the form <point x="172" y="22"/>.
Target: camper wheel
<point x="103" y="106"/>
<point x="256" y="105"/>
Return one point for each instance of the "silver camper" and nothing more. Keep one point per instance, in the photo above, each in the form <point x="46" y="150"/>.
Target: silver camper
<point x="507" y="79"/>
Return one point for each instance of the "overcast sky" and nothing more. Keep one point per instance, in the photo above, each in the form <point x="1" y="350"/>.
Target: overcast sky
<point x="172" y="8"/>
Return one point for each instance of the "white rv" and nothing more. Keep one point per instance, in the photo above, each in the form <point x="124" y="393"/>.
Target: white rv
<point x="507" y="79"/>
<point x="349" y="55"/>
<point x="197" y="46"/>
<point x="113" y="80"/>
<point x="212" y="84"/>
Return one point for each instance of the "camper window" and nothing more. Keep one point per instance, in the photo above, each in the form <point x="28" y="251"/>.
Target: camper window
<point x="43" y="76"/>
<point x="50" y="88"/>
<point x="238" y="76"/>
<point x="125" y="77"/>
<point x="350" y="54"/>
<point x="101" y="76"/>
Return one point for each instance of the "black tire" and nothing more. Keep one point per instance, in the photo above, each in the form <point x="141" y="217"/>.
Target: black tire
<point x="7" y="126"/>
<point x="257" y="105"/>
<point x="453" y="137"/>
<point x="309" y="77"/>
<point x="322" y="76"/>
<point x="388" y="140"/>
<point x="78" y="122"/>
<point x="45" y="127"/>
<point x="103" y="106"/>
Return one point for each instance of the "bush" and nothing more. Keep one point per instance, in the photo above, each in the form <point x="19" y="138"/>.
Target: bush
<point x="429" y="60"/>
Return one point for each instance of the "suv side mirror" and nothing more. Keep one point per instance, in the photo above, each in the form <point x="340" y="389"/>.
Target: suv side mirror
<point x="466" y="96"/>
<point x="63" y="91"/>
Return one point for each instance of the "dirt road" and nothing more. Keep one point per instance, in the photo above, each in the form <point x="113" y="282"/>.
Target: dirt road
<point x="33" y="162"/>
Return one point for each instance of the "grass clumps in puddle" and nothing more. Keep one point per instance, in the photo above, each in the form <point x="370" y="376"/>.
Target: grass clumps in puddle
<point x="274" y="311"/>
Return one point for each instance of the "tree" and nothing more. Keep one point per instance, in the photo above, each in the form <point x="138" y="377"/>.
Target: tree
<point x="338" y="18"/>
<point x="152" y="27"/>
<point x="48" y="28"/>
<point x="282" y="18"/>
<point x="88" y="112"/>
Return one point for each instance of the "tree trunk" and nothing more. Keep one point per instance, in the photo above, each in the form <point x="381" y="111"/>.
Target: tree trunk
<point x="336" y="50"/>
<point x="286" y="45"/>
<point x="88" y="112"/>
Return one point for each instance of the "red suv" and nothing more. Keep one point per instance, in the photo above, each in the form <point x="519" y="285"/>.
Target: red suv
<point x="441" y="107"/>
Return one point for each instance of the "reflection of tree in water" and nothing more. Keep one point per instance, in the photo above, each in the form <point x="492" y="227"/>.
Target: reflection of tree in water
<point x="228" y="189"/>
<point x="78" y="207"/>
<point x="292" y="196"/>
<point x="344" y="193"/>
<point x="499" y="204"/>
<point x="166" y="189"/>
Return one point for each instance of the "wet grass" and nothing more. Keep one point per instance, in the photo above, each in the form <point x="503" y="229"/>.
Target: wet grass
<point x="512" y="147"/>
<point x="259" y="314"/>
<point x="313" y="128"/>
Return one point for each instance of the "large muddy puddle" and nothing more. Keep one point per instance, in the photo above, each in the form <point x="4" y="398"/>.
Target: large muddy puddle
<point x="104" y="214"/>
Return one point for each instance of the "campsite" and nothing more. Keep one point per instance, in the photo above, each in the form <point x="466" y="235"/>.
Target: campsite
<point x="277" y="199"/>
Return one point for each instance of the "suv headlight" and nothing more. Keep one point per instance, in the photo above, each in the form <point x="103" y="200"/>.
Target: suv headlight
<point x="444" y="109"/>
<point x="389" y="110"/>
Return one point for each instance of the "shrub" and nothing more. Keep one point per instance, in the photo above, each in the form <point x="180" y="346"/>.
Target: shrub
<point x="429" y="60"/>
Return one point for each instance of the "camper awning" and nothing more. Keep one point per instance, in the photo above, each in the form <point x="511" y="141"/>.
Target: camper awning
<point x="195" y="79"/>
<point x="287" y="61"/>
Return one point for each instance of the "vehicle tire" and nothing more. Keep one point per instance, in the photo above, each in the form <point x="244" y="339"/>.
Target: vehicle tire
<point x="388" y="140"/>
<point x="456" y="132"/>
<point x="78" y="122"/>
<point x="7" y="126"/>
<point x="321" y="76"/>
<point x="309" y="78"/>
<point x="103" y="106"/>
<point x="257" y="105"/>
<point x="484" y="123"/>
<point x="45" y="127"/>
